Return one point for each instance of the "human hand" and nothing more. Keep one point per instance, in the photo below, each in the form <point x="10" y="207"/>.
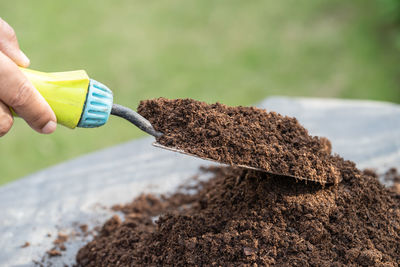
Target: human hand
<point x="16" y="91"/>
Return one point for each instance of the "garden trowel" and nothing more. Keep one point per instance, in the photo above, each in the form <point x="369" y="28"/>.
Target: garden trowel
<point x="79" y="101"/>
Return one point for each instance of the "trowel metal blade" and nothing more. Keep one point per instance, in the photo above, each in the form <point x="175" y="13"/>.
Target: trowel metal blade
<point x="156" y="144"/>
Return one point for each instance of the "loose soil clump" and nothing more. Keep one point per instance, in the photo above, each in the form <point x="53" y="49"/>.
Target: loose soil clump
<point x="242" y="136"/>
<point x="59" y="245"/>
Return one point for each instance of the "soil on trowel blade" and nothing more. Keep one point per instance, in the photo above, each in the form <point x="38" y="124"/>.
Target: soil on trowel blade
<point x="247" y="218"/>
<point x="242" y="136"/>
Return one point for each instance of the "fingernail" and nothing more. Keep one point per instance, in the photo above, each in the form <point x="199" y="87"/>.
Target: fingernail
<point x="25" y="59"/>
<point x="49" y="127"/>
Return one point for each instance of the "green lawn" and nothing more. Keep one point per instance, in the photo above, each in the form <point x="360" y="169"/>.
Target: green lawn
<point x="232" y="51"/>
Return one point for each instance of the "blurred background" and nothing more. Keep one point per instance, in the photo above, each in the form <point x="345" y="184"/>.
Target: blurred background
<point x="232" y="51"/>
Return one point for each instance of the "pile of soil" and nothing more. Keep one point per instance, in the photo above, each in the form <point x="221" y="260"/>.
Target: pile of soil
<point x="242" y="217"/>
<point x="251" y="218"/>
<point x="242" y="136"/>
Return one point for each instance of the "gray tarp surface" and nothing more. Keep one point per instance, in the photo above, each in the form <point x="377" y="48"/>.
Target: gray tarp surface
<point x="59" y="198"/>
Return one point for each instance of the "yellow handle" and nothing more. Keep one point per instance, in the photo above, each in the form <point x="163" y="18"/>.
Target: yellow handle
<point x="64" y="91"/>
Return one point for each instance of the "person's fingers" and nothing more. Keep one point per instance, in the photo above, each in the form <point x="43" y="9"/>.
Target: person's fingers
<point x="6" y="119"/>
<point x="17" y="91"/>
<point x="9" y="45"/>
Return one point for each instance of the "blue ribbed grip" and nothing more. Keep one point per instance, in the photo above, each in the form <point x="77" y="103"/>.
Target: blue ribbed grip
<point x="98" y="105"/>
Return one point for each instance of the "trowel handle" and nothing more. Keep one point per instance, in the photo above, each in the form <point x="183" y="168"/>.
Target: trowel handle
<point x="77" y="100"/>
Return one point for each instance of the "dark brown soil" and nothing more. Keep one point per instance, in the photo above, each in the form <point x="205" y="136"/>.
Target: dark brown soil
<point x="248" y="218"/>
<point x="243" y="217"/>
<point x="242" y="136"/>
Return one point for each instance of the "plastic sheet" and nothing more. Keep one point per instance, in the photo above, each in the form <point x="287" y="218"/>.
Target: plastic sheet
<point x="72" y="193"/>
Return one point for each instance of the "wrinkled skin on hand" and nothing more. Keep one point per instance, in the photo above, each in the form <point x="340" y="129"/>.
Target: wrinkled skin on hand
<point x="16" y="91"/>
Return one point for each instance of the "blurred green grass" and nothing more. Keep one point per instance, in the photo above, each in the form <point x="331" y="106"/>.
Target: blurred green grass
<point x="231" y="51"/>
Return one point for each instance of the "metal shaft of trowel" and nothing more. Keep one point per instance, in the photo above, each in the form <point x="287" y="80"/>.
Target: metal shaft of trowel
<point x="134" y="118"/>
